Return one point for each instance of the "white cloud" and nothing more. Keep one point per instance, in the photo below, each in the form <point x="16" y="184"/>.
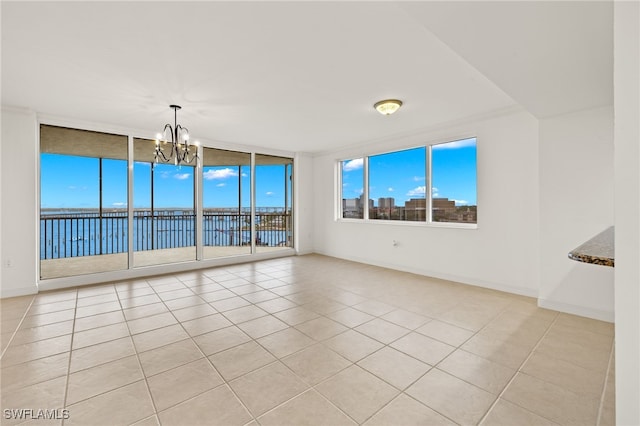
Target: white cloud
<point x="181" y="176"/>
<point x="418" y="191"/>
<point x="359" y="191"/>
<point x="220" y="174"/>
<point x="119" y="204"/>
<point x="461" y="202"/>
<point x="390" y="189"/>
<point x="220" y="185"/>
<point x="353" y="165"/>
<point x="418" y="178"/>
<point x="434" y="191"/>
<point x="465" y="143"/>
<point x="269" y="194"/>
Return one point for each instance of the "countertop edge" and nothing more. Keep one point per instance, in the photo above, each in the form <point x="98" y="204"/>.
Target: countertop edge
<point x="599" y="250"/>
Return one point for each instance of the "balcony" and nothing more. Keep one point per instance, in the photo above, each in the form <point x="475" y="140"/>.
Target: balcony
<point x="87" y="241"/>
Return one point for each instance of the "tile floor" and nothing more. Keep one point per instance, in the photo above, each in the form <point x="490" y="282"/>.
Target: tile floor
<point x="307" y="340"/>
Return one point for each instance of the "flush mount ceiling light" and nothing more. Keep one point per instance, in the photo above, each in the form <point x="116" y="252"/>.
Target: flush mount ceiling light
<point x="178" y="137"/>
<point x="387" y="106"/>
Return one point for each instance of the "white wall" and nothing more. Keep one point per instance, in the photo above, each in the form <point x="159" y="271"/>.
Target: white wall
<point x="19" y="173"/>
<point x="627" y="216"/>
<point x="576" y="203"/>
<point x="501" y="254"/>
<point x="304" y="203"/>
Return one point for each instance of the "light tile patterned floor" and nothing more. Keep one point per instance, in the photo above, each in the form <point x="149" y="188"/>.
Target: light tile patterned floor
<point x="307" y="340"/>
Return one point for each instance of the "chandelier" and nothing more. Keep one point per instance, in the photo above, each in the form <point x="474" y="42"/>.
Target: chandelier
<point x="178" y="137"/>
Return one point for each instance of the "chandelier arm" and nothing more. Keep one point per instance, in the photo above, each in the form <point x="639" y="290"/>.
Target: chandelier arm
<point x="160" y="154"/>
<point x="164" y="132"/>
<point x="180" y="129"/>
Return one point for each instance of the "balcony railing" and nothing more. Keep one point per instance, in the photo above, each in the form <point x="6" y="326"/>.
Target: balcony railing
<point x="90" y="233"/>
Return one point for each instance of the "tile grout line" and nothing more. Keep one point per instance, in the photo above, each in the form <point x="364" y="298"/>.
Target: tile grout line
<point x="322" y="294"/>
<point x="279" y="360"/>
<point x="68" y="376"/>
<point x="518" y="370"/>
<point x="22" y="318"/>
<point x="432" y="367"/>
<point x="355" y="363"/>
<point x="144" y="376"/>
<point x="458" y="348"/>
<point x="606" y="381"/>
<point x="192" y="339"/>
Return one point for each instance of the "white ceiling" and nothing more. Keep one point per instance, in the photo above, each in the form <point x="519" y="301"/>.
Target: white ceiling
<point x="303" y="76"/>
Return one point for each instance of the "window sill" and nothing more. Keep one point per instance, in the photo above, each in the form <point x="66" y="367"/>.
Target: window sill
<point x="450" y="225"/>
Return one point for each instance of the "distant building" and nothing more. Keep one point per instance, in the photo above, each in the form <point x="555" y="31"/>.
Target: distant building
<point x="386" y="203"/>
<point x="386" y="207"/>
<point x="416" y="209"/>
<point x="445" y="210"/>
<point x="353" y="207"/>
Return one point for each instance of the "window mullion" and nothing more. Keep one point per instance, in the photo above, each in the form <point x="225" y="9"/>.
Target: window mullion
<point x="428" y="189"/>
<point x="130" y="212"/>
<point x="199" y="216"/>
<point x="365" y="188"/>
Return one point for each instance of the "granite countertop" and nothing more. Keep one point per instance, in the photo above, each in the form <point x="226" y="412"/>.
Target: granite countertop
<point x="599" y="250"/>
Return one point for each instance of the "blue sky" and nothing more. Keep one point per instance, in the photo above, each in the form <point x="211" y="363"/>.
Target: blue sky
<point x="73" y="182"/>
<point x="401" y="174"/>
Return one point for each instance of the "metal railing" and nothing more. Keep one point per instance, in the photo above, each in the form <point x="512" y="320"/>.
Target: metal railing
<point x="78" y="234"/>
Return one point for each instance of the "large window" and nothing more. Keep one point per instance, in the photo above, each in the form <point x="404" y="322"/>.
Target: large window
<point x="353" y="188"/>
<point x="274" y="225"/>
<point x="104" y="210"/>
<point x="453" y="182"/>
<point x="164" y="228"/>
<point x="83" y="202"/>
<point x="434" y="183"/>
<point x="397" y="185"/>
<point x="226" y="192"/>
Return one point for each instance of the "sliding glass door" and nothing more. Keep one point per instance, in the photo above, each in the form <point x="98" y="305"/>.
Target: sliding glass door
<point x="164" y="216"/>
<point x="83" y="202"/>
<point x="87" y="225"/>
<point x="226" y="194"/>
<point x="274" y="225"/>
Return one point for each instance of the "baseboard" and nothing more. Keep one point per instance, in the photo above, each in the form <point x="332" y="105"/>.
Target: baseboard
<point x="448" y="277"/>
<point x="304" y="252"/>
<point x="17" y="292"/>
<point x="568" y="308"/>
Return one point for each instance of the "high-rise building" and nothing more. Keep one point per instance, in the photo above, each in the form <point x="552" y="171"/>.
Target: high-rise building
<point x="416" y="209"/>
<point x="386" y="203"/>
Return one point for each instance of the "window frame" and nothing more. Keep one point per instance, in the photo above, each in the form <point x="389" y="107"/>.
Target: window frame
<point x="428" y="222"/>
<point x="198" y="261"/>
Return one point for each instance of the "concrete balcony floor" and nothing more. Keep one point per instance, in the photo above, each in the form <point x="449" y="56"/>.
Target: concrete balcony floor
<point x="71" y="266"/>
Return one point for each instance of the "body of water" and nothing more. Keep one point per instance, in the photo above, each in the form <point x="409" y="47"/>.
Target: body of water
<point x="85" y="233"/>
